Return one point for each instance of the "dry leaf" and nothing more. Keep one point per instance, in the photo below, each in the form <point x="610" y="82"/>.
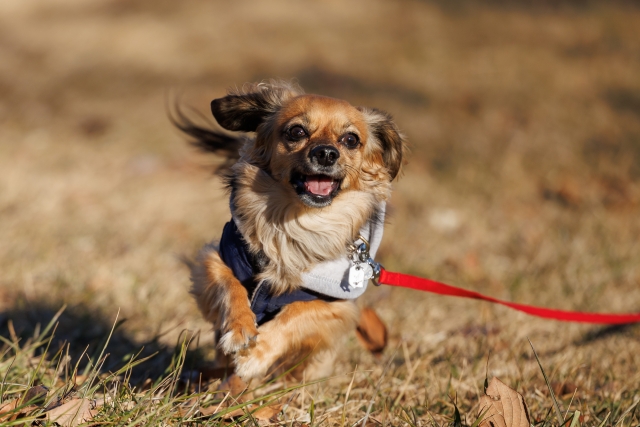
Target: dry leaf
<point x="233" y="384"/>
<point x="237" y="389"/>
<point x="371" y="332"/>
<point x="214" y="409"/>
<point x="6" y="408"/>
<point x="562" y="389"/>
<point x="36" y="395"/>
<point x="72" y="413"/>
<point x="502" y="407"/>
<point x="267" y="414"/>
<point x="231" y="391"/>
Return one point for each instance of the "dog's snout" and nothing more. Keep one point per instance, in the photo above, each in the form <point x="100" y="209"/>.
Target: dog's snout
<point x="324" y="155"/>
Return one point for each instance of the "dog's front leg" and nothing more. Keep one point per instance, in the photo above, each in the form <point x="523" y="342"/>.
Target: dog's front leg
<point x="223" y="301"/>
<point x="302" y="328"/>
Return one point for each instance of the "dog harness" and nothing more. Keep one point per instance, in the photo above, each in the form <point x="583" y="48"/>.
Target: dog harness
<point x="327" y="281"/>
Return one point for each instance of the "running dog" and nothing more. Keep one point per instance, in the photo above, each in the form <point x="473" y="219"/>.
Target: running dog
<point x="308" y="178"/>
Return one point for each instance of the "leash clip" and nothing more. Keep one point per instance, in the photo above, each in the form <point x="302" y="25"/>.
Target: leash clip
<point x="361" y="255"/>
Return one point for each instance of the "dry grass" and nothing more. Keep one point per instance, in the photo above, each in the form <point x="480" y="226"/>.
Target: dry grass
<point x="523" y="183"/>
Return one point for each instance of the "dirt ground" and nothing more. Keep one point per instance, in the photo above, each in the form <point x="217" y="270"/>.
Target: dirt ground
<point x="523" y="180"/>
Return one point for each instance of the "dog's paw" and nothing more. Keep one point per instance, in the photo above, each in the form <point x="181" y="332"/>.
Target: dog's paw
<point x="253" y="363"/>
<point x="240" y="334"/>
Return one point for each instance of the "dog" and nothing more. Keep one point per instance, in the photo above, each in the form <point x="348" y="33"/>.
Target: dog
<point x="308" y="178"/>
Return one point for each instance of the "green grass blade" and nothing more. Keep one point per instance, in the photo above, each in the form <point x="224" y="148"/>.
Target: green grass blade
<point x="480" y="418"/>
<point x="546" y="380"/>
<point x="312" y="412"/>
<point x="575" y="421"/>
<point x="625" y="413"/>
<point x="605" y="420"/>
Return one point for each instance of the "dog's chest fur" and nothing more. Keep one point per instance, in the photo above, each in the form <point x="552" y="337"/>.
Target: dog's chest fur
<point x="291" y="237"/>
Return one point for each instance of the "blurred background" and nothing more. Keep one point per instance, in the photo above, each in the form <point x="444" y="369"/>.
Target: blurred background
<point x="523" y="180"/>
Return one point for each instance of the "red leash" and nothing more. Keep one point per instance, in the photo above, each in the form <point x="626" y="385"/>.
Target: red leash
<point x="412" y="282"/>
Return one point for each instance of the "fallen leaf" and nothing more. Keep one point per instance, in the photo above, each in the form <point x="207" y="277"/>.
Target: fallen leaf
<point x="501" y="406"/>
<point x="563" y="389"/>
<point x="12" y="410"/>
<point x="214" y="409"/>
<point x="236" y="388"/>
<point x="371" y="332"/>
<point x="8" y="407"/>
<point x="72" y="413"/>
<point x="36" y="395"/>
<point x="233" y="384"/>
<point x="267" y="414"/>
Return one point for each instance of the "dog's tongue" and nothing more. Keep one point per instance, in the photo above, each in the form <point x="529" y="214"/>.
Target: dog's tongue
<point x="319" y="185"/>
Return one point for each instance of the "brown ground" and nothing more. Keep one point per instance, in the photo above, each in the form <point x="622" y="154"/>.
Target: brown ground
<point x="523" y="181"/>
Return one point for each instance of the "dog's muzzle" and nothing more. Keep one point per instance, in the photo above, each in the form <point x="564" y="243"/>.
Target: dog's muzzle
<point x="319" y="181"/>
<point x="316" y="190"/>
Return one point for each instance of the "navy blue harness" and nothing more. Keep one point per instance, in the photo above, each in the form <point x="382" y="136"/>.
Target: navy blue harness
<point x="234" y="252"/>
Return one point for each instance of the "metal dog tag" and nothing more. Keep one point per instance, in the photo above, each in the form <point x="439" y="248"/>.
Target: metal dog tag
<point x="368" y="271"/>
<point x="356" y="276"/>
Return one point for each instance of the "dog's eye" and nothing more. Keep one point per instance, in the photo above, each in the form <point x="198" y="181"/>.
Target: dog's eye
<point x="350" y="140"/>
<point x="296" y="133"/>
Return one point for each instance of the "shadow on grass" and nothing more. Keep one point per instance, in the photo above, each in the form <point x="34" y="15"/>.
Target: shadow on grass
<point x="631" y="330"/>
<point x="83" y="333"/>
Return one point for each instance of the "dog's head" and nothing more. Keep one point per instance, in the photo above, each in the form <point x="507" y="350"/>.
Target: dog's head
<point x="318" y="146"/>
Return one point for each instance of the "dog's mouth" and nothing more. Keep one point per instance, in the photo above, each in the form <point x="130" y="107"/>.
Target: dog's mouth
<point x="315" y="190"/>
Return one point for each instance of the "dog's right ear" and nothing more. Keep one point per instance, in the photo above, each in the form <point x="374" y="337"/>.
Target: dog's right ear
<point x="246" y="109"/>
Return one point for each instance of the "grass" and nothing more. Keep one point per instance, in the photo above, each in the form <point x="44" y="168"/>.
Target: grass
<point x="523" y="183"/>
<point x="172" y="399"/>
<point x="413" y="389"/>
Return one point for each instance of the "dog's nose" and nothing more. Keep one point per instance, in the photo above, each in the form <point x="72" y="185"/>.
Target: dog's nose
<point x="324" y="155"/>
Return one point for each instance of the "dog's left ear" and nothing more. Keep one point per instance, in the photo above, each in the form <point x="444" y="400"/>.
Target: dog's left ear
<point x="384" y="129"/>
<point x="244" y="110"/>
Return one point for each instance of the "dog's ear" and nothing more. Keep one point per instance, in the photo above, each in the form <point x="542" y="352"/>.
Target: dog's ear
<point x="244" y="110"/>
<point x="385" y="130"/>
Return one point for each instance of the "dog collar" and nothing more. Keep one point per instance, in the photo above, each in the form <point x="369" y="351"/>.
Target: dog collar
<point x="332" y="277"/>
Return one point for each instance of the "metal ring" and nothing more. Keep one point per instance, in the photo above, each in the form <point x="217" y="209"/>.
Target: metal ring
<point x="366" y="242"/>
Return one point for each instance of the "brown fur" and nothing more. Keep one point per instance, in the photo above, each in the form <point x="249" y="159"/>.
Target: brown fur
<point x="290" y="235"/>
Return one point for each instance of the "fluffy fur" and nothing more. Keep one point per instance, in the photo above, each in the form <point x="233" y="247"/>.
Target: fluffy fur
<point x="301" y="187"/>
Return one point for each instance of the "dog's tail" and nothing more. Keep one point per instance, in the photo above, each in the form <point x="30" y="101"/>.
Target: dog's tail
<point x="210" y="138"/>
